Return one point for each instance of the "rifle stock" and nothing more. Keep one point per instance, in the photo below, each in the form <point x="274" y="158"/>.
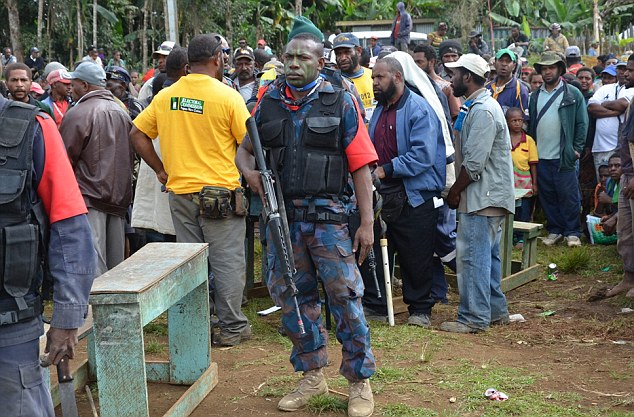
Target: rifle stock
<point x="275" y="219"/>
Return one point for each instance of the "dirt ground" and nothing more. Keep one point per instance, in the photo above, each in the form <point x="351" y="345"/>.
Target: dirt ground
<point x="577" y="361"/>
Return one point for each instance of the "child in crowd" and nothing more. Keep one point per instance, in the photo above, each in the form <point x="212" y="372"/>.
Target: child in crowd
<point x="524" y="154"/>
<point x="602" y="205"/>
<point x="606" y="195"/>
<point x="602" y="222"/>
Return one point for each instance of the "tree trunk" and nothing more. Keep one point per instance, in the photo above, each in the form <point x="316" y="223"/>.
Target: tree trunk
<point x="298" y="7"/>
<point x="80" y="31"/>
<point x="144" y="34"/>
<point x="14" y="28"/>
<point x="131" y="44"/>
<point x="94" y="23"/>
<point x="229" y="24"/>
<point x="258" y="25"/>
<point x="166" y="19"/>
<point x="40" y="21"/>
<point x="49" y="23"/>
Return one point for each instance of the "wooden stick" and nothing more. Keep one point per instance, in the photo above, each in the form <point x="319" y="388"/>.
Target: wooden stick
<point x="388" y="282"/>
<point x="603" y="394"/>
<point x="91" y="401"/>
<point x="338" y="392"/>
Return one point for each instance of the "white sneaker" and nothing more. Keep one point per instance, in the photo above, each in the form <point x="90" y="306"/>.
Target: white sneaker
<point x="573" y="241"/>
<point x="551" y="239"/>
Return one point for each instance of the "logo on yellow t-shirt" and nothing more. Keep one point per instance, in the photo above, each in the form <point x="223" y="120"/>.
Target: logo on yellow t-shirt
<point x="187" y="104"/>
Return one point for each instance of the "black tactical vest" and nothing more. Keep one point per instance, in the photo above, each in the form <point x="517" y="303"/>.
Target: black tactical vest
<point x="21" y="214"/>
<point x="316" y="164"/>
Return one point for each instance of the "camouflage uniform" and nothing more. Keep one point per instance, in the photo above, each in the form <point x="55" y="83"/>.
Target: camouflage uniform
<point x="324" y="250"/>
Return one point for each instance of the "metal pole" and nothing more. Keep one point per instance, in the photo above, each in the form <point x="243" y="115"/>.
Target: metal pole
<point x="172" y="21"/>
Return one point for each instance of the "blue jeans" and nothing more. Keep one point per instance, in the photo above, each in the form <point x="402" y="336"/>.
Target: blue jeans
<point x="479" y="270"/>
<point x="559" y="197"/>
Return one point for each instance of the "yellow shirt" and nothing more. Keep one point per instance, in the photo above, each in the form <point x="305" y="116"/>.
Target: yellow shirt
<point x="525" y="154"/>
<point x="268" y="76"/>
<point x="201" y="121"/>
<point x="363" y="84"/>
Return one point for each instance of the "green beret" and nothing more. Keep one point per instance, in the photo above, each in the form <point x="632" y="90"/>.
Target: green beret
<point x="303" y="25"/>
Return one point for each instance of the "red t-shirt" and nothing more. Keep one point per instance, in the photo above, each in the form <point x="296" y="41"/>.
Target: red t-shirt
<point x="59" y="110"/>
<point x="149" y="74"/>
<point x="58" y="187"/>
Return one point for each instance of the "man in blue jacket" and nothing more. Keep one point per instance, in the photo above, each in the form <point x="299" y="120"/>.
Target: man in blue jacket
<point x="559" y="124"/>
<point x="401" y="28"/>
<point x="409" y="142"/>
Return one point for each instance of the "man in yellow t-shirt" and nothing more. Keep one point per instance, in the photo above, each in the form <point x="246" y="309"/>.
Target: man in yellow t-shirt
<point x="348" y="54"/>
<point x="201" y="122"/>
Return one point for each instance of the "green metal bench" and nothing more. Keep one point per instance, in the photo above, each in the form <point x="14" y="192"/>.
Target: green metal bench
<point x="170" y="277"/>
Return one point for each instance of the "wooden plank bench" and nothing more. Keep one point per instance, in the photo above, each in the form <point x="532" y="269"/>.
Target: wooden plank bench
<point x="528" y="269"/>
<point x="530" y="232"/>
<point x="160" y="277"/>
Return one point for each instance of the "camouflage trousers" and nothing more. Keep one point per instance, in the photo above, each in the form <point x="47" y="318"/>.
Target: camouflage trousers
<point x="323" y="251"/>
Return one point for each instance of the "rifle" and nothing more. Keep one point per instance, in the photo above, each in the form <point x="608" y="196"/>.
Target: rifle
<point x="372" y="266"/>
<point x="275" y="219"/>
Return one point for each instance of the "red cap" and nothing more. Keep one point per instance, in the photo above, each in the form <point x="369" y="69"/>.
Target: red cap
<point x="36" y="88"/>
<point x="59" y="75"/>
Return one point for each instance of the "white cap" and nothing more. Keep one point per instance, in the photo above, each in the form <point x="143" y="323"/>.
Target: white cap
<point x="165" y="49"/>
<point x="474" y="63"/>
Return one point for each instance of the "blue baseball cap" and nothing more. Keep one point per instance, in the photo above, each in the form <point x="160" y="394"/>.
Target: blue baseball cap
<point x="345" y="40"/>
<point x="610" y="69"/>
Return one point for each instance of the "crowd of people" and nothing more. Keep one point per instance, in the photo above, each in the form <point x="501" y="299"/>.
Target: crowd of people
<point x="102" y="161"/>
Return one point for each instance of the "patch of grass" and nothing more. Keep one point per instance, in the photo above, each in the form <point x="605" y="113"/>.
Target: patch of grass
<point x="277" y="386"/>
<point x="561" y="404"/>
<point x="156" y="328"/>
<point x="476" y="378"/>
<point x="275" y="360"/>
<point x="154" y="347"/>
<point x="619" y="376"/>
<point x="573" y="261"/>
<point x="327" y="404"/>
<point x="402" y="410"/>
<point x="392" y="339"/>
<point x="265" y="328"/>
<point x="599" y="257"/>
<point x="387" y="375"/>
<point x="339" y="382"/>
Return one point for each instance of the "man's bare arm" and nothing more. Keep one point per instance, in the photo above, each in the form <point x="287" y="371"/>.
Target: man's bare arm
<point x="142" y="144"/>
<point x="598" y="111"/>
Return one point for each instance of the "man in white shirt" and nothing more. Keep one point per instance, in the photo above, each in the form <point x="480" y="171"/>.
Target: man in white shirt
<point x="607" y="106"/>
<point x="92" y="55"/>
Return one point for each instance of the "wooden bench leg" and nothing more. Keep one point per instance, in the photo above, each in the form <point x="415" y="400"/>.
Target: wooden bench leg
<point x="189" y="337"/>
<point x="529" y="252"/>
<point x="506" y="245"/>
<point x="120" y="360"/>
<point x="92" y="371"/>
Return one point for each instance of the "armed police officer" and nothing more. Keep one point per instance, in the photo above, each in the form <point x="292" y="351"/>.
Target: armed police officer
<point x="315" y="136"/>
<point x="43" y="226"/>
